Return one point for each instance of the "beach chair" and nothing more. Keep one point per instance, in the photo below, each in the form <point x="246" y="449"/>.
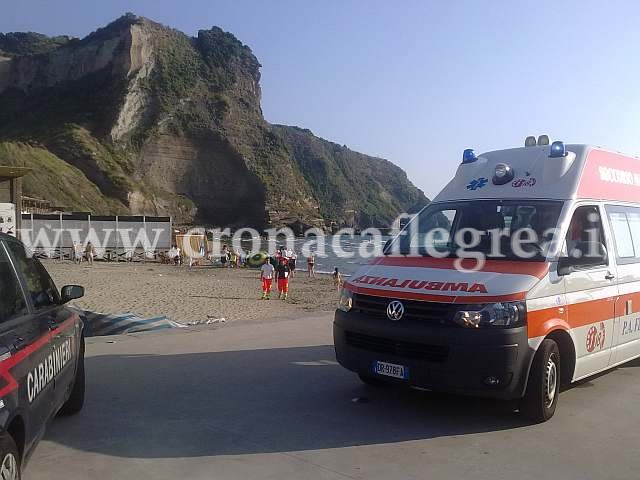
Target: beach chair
<point x="164" y="258"/>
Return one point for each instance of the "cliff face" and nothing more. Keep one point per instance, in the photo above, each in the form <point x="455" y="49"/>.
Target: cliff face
<point x="161" y="123"/>
<point x="341" y="179"/>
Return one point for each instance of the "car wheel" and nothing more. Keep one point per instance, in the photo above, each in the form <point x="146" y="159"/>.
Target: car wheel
<point x="76" y="400"/>
<point x="543" y="388"/>
<point x="10" y="458"/>
<point x="373" y="381"/>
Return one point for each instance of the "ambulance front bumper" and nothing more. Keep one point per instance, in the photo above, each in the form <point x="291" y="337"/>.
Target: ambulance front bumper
<point x="487" y="362"/>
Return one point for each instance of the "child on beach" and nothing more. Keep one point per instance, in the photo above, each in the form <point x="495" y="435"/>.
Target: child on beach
<point x="266" y="275"/>
<point x="282" y="274"/>
<point x="337" y="278"/>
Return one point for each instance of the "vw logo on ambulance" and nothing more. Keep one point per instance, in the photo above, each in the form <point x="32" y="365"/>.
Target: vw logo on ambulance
<point x="395" y="310"/>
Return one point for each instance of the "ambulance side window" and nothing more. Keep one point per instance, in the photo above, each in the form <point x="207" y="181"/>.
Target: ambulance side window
<point x="633" y="215"/>
<point x="39" y="285"/>
<point x="625" y="224"/>
<point x="12" y="302"/>
<point x="585" y="226"/>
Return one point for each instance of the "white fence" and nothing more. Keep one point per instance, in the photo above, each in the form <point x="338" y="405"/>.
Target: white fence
<point x="113" y="237"/>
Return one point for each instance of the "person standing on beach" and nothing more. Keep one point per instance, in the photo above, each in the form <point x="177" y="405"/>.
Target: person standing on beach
<point x="282" y="274"/>
<point x="311" y="265"/>
<point x="292" y="262"/>
<point x="90" y="253"/>
<point x="337" y="278"/>
<point x="266" y="275"/>
<point x="77" y="252"/>
<point x="224" y="255"/>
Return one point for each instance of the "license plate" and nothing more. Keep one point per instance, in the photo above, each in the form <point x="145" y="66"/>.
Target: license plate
<point x="391" y="370"/>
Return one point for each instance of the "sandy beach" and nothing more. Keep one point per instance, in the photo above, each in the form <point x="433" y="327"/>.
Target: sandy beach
<point x="190" y="295"/>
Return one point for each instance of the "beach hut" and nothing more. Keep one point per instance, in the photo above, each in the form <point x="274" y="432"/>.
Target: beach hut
<point x="194" y="246"/>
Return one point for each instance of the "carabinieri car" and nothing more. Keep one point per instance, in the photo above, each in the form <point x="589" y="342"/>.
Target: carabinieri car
<point x="41" y="354"/>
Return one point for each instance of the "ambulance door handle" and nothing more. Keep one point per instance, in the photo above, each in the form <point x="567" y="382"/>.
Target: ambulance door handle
<point x="609" y="276"/>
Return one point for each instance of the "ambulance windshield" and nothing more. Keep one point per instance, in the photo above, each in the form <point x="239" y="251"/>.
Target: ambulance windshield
<point x="511" y="229"/>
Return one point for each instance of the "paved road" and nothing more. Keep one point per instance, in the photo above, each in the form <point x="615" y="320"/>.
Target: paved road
<point x="268" y="402"/>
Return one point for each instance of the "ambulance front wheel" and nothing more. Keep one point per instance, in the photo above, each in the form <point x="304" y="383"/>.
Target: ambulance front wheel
<point x="543" y="388"/>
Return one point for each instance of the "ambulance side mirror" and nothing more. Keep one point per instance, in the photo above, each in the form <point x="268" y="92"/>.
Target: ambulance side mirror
<point x="582" y="255"/>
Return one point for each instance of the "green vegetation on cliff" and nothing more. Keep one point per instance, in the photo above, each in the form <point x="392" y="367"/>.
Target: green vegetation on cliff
<point x="29" y="43"/>
<point x="90" y="101"/>
<point x="342" y="179"/>
<point x="55" y="180"/>
<point x="109" y="169"/>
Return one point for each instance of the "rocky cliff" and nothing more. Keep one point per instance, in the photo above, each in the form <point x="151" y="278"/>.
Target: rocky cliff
<point x="153" y="121"/>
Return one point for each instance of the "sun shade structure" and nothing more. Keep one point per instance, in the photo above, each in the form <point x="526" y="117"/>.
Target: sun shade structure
<point x="11" y="188"/>
<point x="7" y="173"/>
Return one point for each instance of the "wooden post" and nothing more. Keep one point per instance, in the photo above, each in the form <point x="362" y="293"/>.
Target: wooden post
<point x="16" y="199"/>
<point x="117" y="239"/>
<point x="61" y="237"/>
<point x="144" y="247"/>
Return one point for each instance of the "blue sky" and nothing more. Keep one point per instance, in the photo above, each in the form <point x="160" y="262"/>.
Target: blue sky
<point x="415" y="81"/>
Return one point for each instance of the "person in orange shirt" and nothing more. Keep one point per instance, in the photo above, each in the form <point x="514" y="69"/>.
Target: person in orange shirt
<point x="282" y="274"/>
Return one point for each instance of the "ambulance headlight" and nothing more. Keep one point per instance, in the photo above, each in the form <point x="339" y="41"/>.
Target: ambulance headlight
<point x="501" y="315"/>
<point x="502" y="174"/>
<point x="346" y="300"/>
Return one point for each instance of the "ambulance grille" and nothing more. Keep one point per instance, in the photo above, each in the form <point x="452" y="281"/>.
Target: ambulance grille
<point x="431" y="312"/>
<point x="399" y="348"/>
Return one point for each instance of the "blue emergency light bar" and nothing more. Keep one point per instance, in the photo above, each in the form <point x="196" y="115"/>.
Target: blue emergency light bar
<point x="468" y="156"/>
<point x="558" y="150"/>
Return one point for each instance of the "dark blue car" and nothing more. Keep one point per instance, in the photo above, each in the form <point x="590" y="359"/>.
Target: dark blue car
<point x="41" y="354"/>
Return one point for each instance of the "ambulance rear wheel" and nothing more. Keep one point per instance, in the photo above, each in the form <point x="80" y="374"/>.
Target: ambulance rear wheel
<point x="10" y="458"/>
<point x="76" y="400"/>
<point x="543" y="388"/>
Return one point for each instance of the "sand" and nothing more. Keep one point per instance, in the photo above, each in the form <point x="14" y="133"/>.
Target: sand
<point x="190" y="295"/>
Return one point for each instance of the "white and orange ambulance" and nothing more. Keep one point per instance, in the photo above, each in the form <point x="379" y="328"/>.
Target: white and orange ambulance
<point x="521" y="276"/>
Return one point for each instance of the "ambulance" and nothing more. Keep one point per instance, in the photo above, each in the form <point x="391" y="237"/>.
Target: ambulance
<point x="521" y="277"/>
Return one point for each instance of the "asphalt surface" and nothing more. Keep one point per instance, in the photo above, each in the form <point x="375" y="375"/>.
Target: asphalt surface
<point x="268" y="402"/>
